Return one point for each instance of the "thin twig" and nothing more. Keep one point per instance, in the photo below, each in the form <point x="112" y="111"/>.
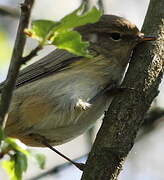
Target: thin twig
<point x="87" y="5"/>
<point x="151" y="122"/>
<point x="32" y="54"/>
<point x="101" y="5"/>
<point x="15" y="64"/>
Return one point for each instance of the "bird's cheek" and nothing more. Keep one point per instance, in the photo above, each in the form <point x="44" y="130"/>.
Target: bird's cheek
<point x="93" y="38"/>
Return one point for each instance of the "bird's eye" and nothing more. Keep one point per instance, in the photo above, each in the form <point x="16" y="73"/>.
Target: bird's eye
<point x="115" y="36"/>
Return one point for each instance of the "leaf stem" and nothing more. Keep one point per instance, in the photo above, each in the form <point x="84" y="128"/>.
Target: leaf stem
<point x="32" y="54"/>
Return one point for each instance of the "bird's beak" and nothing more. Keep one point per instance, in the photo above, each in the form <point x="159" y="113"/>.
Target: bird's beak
<point x="148" y="38"/>
<point x="143" y="38"/>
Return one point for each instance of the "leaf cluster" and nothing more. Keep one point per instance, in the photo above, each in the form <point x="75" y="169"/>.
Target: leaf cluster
<point x="17" y="157"/>
<point x="61" y="33"/>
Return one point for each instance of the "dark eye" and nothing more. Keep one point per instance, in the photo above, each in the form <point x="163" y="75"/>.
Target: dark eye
<point x="115" y="36"/>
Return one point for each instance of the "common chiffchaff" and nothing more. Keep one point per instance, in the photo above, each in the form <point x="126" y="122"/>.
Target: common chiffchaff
<point x="62" y="102"/>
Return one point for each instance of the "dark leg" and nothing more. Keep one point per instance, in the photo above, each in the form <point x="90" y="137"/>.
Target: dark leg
<point x="111" y="89"/>
<point x="80" y="166"/>
<point x="43" y="141"/>
<point x="108" y="88"/>
<point x="117" y="90"/>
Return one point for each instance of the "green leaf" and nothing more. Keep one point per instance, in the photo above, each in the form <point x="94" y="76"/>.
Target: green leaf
<point x="71" y="41"/>
<point x="57" y="33"/>
<point x="15" y="166"/>
<point x="41" y="29"/>
<point x="20" y="164"/>
<point x="12" y="142"/>
<point x="39" y="158"/>
<point x="9" y="167"/>
<point x="74" y="19"/>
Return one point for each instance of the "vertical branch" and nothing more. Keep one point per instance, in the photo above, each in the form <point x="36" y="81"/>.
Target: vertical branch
<point x="15" y="63"/>
<point x="126" y="113"/>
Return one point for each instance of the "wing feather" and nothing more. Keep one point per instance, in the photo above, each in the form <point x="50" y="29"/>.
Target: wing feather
<point x="52" y="63"/>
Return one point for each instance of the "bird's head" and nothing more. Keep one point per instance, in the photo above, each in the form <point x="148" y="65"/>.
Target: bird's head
<point x="113" y="36"/>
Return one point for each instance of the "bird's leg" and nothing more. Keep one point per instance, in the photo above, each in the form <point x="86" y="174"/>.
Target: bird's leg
<point x="112" y="89"/>
<point x="117" y="90"/>
<point x="108" y="88"/>
<point x="80" y="166"/>
<point x="44" y="142"/>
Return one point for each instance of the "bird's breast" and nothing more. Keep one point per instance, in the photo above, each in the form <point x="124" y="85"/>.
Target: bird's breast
<point x="48" y="107"/>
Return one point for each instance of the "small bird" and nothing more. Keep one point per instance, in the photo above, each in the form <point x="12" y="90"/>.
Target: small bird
<point x="62" y="95"/>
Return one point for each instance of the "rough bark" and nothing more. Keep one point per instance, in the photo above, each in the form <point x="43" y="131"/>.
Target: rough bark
<point x="125" y="115"/>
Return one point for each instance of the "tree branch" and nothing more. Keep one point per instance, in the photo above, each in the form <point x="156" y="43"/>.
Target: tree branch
<point x="16" y="63"/>
<point x="125" y="115"/>
<point x="151" y="120"/>
<point x="9" y="11"/>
